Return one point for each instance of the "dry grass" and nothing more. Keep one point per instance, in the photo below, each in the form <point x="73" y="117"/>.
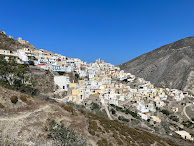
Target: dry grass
<point x="30" y="106"/>
<point x="69" y="109"/>
<point x="119" y="132"/>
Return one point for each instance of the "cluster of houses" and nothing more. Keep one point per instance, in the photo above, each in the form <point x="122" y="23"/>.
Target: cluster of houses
<point x="110" y="84"/>
<point x="99" y="77"/>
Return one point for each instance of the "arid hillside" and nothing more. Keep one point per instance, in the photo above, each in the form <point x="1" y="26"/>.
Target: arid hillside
<point x="33" y="121"/>
<point x="12" y="44"/>
<point x="169" y="66"/>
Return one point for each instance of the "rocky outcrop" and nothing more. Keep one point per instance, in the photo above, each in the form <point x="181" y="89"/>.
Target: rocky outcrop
<point x="44" y="80"/>
<point x="169" y="66"/>
<point x="7" y="43"/>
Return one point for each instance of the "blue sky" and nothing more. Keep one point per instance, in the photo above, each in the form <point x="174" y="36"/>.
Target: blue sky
<point x="113" y="30"/>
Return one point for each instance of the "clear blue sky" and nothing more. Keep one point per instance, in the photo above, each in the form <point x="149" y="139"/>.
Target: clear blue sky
<point x="113" y="30"/>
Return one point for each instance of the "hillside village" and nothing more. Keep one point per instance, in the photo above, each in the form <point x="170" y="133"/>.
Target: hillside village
<point x="109" y="86"/>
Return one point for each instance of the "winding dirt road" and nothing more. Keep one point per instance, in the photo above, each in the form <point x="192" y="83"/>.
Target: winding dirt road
<point x="185" y="113"/>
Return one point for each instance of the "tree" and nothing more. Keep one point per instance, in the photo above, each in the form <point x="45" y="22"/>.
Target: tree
<point x="166" y="112"/>
<point x="16" y="76"/>
<point x="76" y="77"/>
<point x="113" y="111"/>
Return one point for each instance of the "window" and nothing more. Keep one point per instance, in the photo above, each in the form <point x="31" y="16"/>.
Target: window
<point x="63" y="87"/>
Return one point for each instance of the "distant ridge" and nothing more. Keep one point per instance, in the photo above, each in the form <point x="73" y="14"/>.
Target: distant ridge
<point x="171" y="65"/>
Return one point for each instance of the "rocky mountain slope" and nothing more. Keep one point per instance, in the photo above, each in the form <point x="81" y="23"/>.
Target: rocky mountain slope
<point x="11" y="44"/>
<point x="171" y="65"/>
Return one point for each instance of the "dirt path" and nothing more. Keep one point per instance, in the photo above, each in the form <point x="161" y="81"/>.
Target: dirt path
<point x="184" y="111"/>
<point x="22" y="115"/>
<point x="107" y="111"/>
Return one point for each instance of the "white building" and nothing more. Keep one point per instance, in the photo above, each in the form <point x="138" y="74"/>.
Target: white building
<point x="62" y="82"/>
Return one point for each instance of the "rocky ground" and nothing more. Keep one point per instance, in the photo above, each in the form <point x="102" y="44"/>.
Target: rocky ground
<point x="27" y="122"/>
<point x="12" y="44"/>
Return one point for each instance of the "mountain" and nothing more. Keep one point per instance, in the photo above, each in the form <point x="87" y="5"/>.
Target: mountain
<point x="171" y="65"/>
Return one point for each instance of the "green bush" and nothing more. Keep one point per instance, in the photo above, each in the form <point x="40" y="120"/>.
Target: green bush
<point x="16" y="76"/>
<point x="188" y="124"/>
<point x="95" y="106"/>
<point x="77" y="76"/>
<point x="126" y="111"/>
<point x="77" y="106"/>
<point x="174" y="118"/>
<point x="63" y="136"/>
<point x="166" y="112"/>
<point x="179" y="128"/>
<point x="61" y="73"/>
<point x="113" y="111"/>
<point x="134" y="114"/>
<point x="165" y="126"/>
<point x="123" y="119"/>
<point x="135" y="121"/>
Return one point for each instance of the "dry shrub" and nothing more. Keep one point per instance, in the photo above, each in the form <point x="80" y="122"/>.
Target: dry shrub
<point x="103" y="142"/>
<point x="1" y="105"/>
<point x="69" y="109"/>
<point x="23" y="98"/>
<point x="29" y="102"/>
<point x="64" y="136"/>
<point x="123" y="133"/>
<point x="93" y="127"/>
<point x="4" y="96"/>
<point x="119" y="142"/>
<point x="14" y="99"/>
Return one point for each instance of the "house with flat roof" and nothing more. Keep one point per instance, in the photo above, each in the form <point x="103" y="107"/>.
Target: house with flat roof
<point x="184" y="134"/>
